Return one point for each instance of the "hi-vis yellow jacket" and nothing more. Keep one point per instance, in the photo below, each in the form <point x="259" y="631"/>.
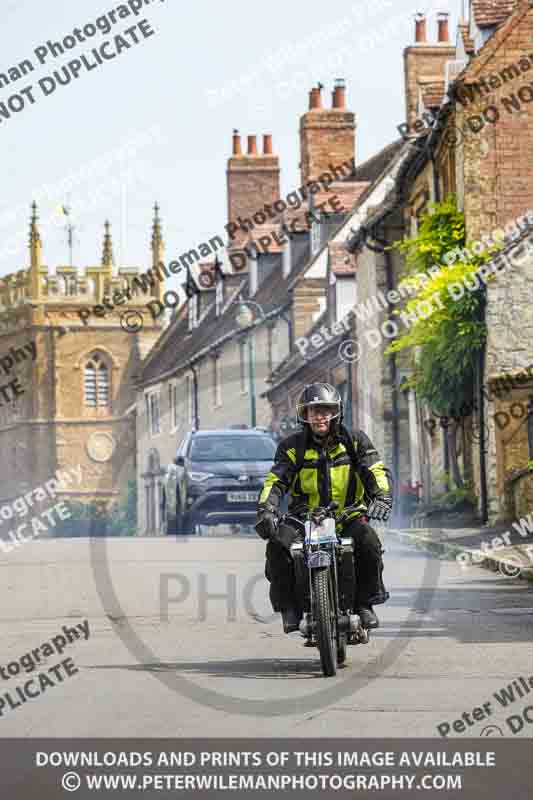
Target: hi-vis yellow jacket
<point x="326" y="474"/>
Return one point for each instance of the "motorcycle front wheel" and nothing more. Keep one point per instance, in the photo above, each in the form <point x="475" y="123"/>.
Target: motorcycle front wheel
<point x="325" y="628"/>
<point x="341" y="649"/>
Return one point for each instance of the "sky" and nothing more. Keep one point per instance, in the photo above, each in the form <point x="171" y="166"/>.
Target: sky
<point x="175" y="97"/>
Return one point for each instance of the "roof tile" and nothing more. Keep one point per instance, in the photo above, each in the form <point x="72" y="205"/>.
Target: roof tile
<point x="492" y="12"/>
<point x="468" y="42"/>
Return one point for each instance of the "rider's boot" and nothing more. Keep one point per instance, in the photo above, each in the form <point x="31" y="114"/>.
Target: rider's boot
<point x="368" y="617"/>
<point x="291" y="619"/>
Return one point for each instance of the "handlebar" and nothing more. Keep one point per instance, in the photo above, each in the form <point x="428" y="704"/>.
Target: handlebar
<point x="319" y="513"/>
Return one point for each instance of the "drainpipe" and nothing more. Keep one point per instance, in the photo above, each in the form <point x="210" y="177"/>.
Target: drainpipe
<point x="393" y="366"/>
<point x="483" y="490"/>
<point x="436" y="187"/>
<point x="195" y="413"/>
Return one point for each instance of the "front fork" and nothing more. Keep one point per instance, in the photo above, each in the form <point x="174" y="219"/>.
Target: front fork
<point x="348" y="624"/>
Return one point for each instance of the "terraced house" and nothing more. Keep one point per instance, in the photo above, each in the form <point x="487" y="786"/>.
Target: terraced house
<point x="478" y="147"/>
<point x="211" y="366"/>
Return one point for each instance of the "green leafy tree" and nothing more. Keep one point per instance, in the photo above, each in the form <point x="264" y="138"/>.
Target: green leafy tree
<point x="445" y="343"/>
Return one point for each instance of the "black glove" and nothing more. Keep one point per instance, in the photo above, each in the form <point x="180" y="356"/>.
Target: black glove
<point x="267" y="522"/>
<point x="380" y="509"/>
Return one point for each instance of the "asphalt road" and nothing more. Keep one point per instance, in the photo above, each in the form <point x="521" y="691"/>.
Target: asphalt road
<point x="164" y="659"/>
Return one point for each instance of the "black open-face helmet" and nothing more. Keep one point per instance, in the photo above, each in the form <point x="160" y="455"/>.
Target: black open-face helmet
<point x="320" y="394"/>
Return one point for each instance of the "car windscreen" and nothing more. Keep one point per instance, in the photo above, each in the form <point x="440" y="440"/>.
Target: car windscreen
<point x="232" y="448"/>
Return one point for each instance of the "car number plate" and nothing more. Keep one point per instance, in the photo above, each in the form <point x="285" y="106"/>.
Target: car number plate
<point x="242" y="497"/>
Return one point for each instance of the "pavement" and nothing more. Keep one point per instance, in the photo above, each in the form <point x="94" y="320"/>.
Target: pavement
<point x="499" y="548"/>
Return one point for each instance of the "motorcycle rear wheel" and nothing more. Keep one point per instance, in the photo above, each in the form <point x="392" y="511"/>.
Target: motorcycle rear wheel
<point x="325" y="629"/>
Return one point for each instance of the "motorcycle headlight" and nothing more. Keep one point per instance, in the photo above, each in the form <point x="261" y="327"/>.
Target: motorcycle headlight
<point x="198" y="477"/>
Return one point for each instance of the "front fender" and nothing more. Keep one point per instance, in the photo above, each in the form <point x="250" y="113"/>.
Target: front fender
<point x="318" y="559"/>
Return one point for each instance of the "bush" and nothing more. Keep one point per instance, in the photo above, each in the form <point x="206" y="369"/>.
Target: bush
<point x="123" y="517"/>
<point x="96" y="519"/>
<point x="458" y="499"/>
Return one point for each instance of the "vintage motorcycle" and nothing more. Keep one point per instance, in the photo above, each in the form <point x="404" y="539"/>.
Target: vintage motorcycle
<point x="325" y="583"/>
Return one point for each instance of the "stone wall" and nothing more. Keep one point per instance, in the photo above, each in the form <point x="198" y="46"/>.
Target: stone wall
<point x="509" y="349"/>
<point x="53" y="428"/>
<point x="498" y="144"/>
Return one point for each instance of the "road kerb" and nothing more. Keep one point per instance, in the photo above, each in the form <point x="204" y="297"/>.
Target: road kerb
<point x="514" y="556"/>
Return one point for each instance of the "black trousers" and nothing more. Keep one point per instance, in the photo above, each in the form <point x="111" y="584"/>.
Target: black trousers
<point x="369" y="590"/>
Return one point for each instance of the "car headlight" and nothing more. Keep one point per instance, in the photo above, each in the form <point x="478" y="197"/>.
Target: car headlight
<point x="198" y="477"/>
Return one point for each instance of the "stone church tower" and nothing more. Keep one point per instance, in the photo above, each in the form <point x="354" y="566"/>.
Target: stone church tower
<point x="67" y="371"/>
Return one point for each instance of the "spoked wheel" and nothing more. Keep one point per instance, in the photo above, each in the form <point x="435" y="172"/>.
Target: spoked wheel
<point x="325" y="627"/>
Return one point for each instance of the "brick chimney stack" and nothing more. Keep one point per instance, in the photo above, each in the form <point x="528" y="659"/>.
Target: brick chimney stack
<point x="425" y="62"/>
<point x="327" y="135"/>
<point x="253" y="179"/>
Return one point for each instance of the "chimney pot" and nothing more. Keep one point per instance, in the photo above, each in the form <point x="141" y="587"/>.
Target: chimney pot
<point x="267" y="144"/>
<point x="444" y="30"/>
<point x="315" y="97"/>
<point x="252" y="145"/>
<point x="236" y="143"/>
<point x="339" y="94"/>
<point x="420" y="28"/>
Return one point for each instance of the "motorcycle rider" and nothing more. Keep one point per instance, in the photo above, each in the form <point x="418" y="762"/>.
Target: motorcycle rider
<point x="327" y="451"/>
